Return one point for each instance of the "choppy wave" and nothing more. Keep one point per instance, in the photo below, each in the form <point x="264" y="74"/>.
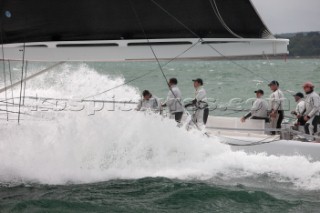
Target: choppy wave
<point x="75" y="147"/>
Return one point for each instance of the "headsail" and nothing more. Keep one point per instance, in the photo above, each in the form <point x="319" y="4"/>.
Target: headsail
<point x="59" y="30"/>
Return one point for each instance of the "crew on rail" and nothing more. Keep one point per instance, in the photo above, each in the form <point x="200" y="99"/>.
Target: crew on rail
<point x="259" y="109"/>
<point x="307" y="111"/>
<point x="312" y="101"/>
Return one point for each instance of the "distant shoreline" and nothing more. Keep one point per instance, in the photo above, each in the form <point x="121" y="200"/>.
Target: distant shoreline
<point x="278" y="57"/>
<point x="231" y="58"/>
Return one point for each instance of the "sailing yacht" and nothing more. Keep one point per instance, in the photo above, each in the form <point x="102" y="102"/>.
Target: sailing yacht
<point x="121" y="30"/>
<point x="135" y="30"/>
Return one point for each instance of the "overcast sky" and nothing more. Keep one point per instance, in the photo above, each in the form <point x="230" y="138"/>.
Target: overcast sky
<point x="282" y="16"/>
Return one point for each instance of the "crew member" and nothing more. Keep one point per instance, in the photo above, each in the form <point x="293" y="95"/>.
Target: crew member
<point x="300" y="109"/>
<point x="200" y="104"/>
<point x="276" y="105"/>
<point x="259" y="110"/>
<point x="148" y="102"/>
<point x="312" y="100"/>
<point x="174" y="101"/>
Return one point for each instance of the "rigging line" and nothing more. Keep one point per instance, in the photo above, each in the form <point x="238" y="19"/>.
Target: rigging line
<point x="5" y="94"/>
<point x="4" y="70"/>
<point x="25" y="82"/>
<point x="47" y="105"/>
<point x="200" y="39"/>
<point x="161" y="69"/>
<point x="147" y="73"/>
<point x="255" y="143"/>
<point x="176" y="19"/>
<point x="39" y="107"/>
<point x="12" y="112"/>
<point x="216" y="11"/>
<point x="195" y="34"/>
<point x="247" y="129"/>
<point x="213" y="48"/>
<point x="273" y="70"/>
<point x="47" y="99"/>
<point x="10" y="76"/>
<point x="22" y="69"/>
<point x="151" y="48"/>
<point x="32" y="76"/>
<point x="250" y="143"/>
<point x="234" y="62"/>
<point x="14" y="119"/>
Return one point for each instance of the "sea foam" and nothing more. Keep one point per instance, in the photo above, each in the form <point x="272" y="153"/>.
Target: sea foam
<point x="61" y="147"/>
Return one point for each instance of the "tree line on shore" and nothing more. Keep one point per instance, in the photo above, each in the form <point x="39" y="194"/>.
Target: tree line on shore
<point x="305" y="44"/>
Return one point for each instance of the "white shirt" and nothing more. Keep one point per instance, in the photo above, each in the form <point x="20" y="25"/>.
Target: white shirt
<point x="152" y="104"/>
<point x="201" y="97"/>
<point x="259" y="108"/>
<point x="301" y="107"/>
<point x="312" y="104"/>
<point x="174" y="100"/>
<point x="276" y="100"/>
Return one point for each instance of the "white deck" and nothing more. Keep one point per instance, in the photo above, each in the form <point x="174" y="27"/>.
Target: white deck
<point x="236" y="124"/>
<point x="244" y="137"/>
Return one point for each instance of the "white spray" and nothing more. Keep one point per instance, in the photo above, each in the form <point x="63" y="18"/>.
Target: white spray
<point x="80" y="148"/>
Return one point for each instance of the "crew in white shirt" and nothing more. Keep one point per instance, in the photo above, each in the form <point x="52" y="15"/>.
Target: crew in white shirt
<point x="311" y="117"/>
<point x="174" y="101"/>
<point x="259" y="109"/>
<point x="276" y="105"/>
<point x="200" y="103"/>
<point x="148" y="102"/>
<point x="300" y="109"/>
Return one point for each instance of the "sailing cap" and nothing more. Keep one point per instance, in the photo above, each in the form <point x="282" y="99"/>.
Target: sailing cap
<point x="299" y="94"/>
<point x="199" y="80"/>
<point x="273" y="83"/>
<point x="259" y="91"/>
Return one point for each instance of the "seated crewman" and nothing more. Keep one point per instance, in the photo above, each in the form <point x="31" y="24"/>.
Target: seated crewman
<point x="148" y="102"/>
<point x="259" y="109"/>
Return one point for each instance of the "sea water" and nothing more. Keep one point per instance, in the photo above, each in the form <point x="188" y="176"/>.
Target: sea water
<point x="110" y="158"/>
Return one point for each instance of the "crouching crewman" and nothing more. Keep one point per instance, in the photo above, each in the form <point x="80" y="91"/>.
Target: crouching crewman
<point x="148" y="102"/>
<point x="259" y="109"/>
